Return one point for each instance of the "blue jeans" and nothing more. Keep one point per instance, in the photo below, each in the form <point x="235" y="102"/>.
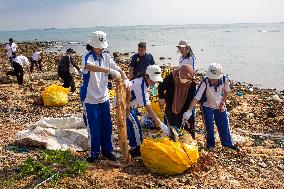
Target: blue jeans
<point x="222" y="123"/>
<point x="97" y="119"/>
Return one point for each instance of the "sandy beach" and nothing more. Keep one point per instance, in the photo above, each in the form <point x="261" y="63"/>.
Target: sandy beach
<point x="256" y="122"/>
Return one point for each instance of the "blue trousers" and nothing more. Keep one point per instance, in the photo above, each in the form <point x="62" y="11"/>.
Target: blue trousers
<point x="222" y="122"/>
<point x="97" y="119"/>
<point x="134" y="130"/>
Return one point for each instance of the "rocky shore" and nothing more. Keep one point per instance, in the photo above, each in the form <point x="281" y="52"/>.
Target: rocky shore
<point x="256" y="121"/>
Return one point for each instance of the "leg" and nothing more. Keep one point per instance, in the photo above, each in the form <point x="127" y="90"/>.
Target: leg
<point x="222" y="122"/>
<point x="106" y="128"/>
<point x="63" y="76"/>
<point x="209" y="125"/>
<point x="134" y="131"/>
<point x="40" y="65"/>
<point x="32" y="65"/>
<point x="92" y="115"/>
<point x="191" y="128"/>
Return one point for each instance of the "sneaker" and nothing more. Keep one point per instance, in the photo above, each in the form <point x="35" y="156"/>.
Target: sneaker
<point x="92" y="159"/>
<point x="110" y="156"/>
<point x="235" y="148"/>
<point x="135" y="152"/>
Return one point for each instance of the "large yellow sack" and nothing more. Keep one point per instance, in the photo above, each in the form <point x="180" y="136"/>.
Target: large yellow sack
<point x="55" y="95"/>
<point x="156" y="107"/>
<point x="164" y="156"/>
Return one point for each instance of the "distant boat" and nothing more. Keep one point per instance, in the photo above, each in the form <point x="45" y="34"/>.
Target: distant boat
<point x="49" y="28"/>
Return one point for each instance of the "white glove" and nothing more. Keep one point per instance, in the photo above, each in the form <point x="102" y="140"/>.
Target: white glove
<point x="127" y="83"/>
<point x="186" y="115"/>
<point x="165" y="129"/>
<point x="114" y="74"/>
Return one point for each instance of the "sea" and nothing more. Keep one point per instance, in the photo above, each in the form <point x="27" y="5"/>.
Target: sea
<point x="248" y="53"/>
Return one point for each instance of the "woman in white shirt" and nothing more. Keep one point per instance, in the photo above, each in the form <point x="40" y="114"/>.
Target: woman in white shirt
<point x="187" y="56"/>
<point x="10" y="48"/>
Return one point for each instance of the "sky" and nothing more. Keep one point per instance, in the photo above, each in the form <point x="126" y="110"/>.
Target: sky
<point x="39" y="14"/>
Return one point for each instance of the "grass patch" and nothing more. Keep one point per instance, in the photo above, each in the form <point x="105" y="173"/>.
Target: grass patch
<point x="51" y="165"/>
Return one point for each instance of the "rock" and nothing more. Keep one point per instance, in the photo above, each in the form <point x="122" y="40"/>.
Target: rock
<point x="262" y="164"/>
<point x="281" y="167"/>
<point x="126" y="54"/>
<point x="117" y="54"/>
<point x="162" y="58"/>
<point x="276" y="98"/>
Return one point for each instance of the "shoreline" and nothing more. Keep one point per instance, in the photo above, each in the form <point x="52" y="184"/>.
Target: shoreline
<point x="56" y="48"/>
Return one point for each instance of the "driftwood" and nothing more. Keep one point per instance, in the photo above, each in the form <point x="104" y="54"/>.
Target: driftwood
<point x="121" y="108"/>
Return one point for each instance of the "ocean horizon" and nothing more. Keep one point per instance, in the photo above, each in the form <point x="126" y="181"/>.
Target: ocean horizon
<point x="249" y="52"/>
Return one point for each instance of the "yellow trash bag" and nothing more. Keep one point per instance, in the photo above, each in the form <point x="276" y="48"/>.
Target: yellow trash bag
<point x="164" y="156"/>
<point x="111" y="93"/>
<point x="156" y="107"/>
<point x="55" y="95"/>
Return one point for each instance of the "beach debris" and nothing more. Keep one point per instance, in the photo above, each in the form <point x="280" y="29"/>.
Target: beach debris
<point x="121" y="112"/>
<point x="277" y="98"/>
<point x="56" y="134"/>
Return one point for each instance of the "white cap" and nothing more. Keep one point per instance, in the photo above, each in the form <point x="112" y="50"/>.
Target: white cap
<point x="154" y="72"/>
<point x="98" y="40"/>
<point x="183" y="43"/>
<point x="214" y="71"/>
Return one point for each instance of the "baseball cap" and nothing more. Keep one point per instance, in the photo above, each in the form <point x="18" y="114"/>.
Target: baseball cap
<point x="183" y="43"/>
<point x="154" y="72"/>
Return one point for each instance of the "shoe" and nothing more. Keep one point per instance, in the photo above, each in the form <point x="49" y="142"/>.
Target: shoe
<point x="235" y="148"/>
<point x="135" y="152"/>
<point x="92" y="159"/>
<point x="110" y="156"/>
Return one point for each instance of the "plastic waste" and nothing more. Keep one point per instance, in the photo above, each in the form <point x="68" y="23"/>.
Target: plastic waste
<point x="161" y="155"/>
<point x="239" y="93"/>
<point x="55" y="95"/>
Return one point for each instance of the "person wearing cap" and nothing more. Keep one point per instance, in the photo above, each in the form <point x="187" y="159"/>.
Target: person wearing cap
<point x="36" y="61"/>
<point x="97" y="67"/>
<point x="140" y="61"/>
<point x="212" y="94"/>
<point x="140" y="98"/>
<point x="187" y="56"/>
<point x="64" y="69"/>
<point x="18" y="67"/>
<point x="178" y="90"/>
<point x="10" y="48"/>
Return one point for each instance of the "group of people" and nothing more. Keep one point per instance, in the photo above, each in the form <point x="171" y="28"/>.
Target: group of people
<point x="17" y="62"/>
<point x="179" y="91"/>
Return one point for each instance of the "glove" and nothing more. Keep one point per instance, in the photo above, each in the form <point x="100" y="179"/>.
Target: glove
<point x="186" y="115"/>
<point x="165" y="129"/>
<point x="127" y="83"/>
<point x="114" y="74"/>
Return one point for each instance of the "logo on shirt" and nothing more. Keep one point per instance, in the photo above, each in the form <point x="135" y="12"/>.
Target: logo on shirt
<point x="101" y="39"/>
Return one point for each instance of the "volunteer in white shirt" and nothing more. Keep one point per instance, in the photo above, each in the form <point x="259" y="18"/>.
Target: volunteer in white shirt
<point x="36" y="61"/>
<point x="18" y="66"/>
<point x="187" y="56"/>
<point x="212" y="93"/>
<point x="96" y="67"/>
<point x="10" y="48"/>
<point x="140" y="98"/>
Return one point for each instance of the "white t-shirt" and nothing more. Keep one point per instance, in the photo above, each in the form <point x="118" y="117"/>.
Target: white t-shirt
<point x="94" y="87"/>
<point x="190" y="60"/>
<point x="22" y="60"/>
<point x="36" y="56"/>
<point x="213" y="93"/>
<point x="139" y="92"/>
<point x="10" y="49"/>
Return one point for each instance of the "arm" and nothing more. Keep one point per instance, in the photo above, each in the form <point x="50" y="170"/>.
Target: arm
<point x="95" y="68"/>
<point x="75" y="65"/>
<point x="153" y="115"/>
<point x="131" y="70"/>
<point x="226" y="93"/>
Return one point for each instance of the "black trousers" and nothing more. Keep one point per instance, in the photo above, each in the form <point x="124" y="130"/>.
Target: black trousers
<point x="68" y="80"/>
<point x="176" y="120"/>
<point x="18" y="72"/>
<point x="37" y="64"/>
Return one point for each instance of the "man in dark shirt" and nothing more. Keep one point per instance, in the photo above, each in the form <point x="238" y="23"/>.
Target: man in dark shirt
<point x="140" y="61"/>
<point x="64" y="69"/>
